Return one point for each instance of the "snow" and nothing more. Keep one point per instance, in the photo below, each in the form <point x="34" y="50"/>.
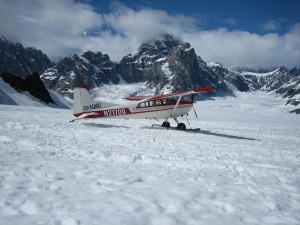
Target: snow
<point x="161" y="59"/>
<point x="115" y="93"/>
<point x="214" y="64"/>
<point x="259" y="74"/>
<point x="241" y="168"/>
<point x="165" y="68"/>
<point x="50" y="74"/>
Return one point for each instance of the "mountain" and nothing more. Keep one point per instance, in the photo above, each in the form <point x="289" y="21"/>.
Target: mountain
<point x="14" y="58"/>
<point x="91" y="68"/>
<point x="165" y="64"/>
<point x="281" y="81"/>
<point x="168" y="65"/>
<point x="29" y="91"/>
<point x="233" y="79"/>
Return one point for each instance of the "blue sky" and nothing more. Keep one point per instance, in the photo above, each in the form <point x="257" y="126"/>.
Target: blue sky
<point x="235" y="33"/>
<point x="255" y="16"/>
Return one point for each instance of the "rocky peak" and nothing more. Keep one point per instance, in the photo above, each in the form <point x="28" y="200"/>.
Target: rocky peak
<point x="98" y="59"/>
<point x="156" y="48"/>
<point x="295" y="71"/>
<point x="282" y="69"/>
<point x="161" y="45"/>
<point x="234" y="80"/>
<point x="141" y="65"/>
<point x="93" y="69"/>
<point x="14" y="58"/>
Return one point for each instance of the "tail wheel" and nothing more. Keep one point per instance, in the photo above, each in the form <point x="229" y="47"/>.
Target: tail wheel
<point x="181" y="126"/>
<point x="165" y="124"/>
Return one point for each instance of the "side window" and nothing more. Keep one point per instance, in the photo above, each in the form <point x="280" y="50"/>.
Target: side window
<point x="142" y="104"/>
<point x="151" y="103"/>
<point x="158" y="102"/>
<point x="164" y="101"/>
<point x="147" y="104"/>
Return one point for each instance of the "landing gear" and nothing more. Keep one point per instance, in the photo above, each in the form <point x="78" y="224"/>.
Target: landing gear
<point x="181" y="126"/>
<point x="166" y="124"/>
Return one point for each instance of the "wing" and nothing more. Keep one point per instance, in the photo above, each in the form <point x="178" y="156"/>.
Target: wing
<point x="136" y="98"/>
<point x="200" y="90"/>
<point x="139" y="98"/>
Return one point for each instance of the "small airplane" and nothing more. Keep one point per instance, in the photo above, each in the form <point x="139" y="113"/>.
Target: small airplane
<point x="144" y="107"/>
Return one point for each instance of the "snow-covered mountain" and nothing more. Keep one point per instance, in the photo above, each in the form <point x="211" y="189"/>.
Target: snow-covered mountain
<point x="169" y="65"/>
<point x="281" y="81"/>
<point x="165" y="65"/>
<point x="90" y="68"/>
<point x="29" y="91"/>
<point x="234" y="80"/>
<point x="14" y="58"/>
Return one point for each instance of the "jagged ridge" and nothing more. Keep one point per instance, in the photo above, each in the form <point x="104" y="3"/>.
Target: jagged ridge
<point x="22" y="61"/>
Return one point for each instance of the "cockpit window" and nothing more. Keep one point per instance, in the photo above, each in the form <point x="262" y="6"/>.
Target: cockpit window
<point x="173" y="100"/>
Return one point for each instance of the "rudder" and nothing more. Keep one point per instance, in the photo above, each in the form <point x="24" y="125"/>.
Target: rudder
<point x="83" y="102"/>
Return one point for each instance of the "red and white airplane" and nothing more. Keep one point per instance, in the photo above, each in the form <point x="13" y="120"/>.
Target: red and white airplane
<point x="144" y="107"/>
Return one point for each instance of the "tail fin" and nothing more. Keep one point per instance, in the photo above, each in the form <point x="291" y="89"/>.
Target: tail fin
<point x="83" y="102"/>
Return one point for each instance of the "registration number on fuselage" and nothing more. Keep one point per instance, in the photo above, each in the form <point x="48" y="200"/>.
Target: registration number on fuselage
<point x="91" y="107"/>
<point x="114" y="112"/>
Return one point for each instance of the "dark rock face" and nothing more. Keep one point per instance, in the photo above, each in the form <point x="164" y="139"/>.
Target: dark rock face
<point x="32" y="83"/>
<point x="139" y="66"/>
<point x="14" y="58"/>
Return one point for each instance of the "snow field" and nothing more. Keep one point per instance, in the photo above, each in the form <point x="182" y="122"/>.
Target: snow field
<point x="241" y="168"/>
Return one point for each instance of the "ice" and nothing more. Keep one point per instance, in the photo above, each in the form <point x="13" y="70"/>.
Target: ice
<point x="242" y="167"/>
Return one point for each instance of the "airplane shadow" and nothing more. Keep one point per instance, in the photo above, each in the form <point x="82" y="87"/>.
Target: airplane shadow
<point x="103" y="125"/>
<point x="206" y="132"/>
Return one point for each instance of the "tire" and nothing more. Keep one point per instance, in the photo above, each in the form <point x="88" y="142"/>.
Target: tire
<point x="181" y="126"/>
<point x="165" y="124"/>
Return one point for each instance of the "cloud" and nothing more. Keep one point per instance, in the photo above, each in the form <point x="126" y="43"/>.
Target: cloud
<point x="270" y="26"/>
<point x="230" y="21"/>
<point x="240" y="48"/>
<point x="53" y="26"/>
<point x="57" y="27"/>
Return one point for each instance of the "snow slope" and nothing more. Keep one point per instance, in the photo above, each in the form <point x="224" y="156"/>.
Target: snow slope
<point x="9" y="96"/>
<point x="241" y="168"/>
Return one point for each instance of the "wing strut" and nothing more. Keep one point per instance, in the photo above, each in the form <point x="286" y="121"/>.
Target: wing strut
<point x="177" y="103"/>
<point x="195" y="112"/>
